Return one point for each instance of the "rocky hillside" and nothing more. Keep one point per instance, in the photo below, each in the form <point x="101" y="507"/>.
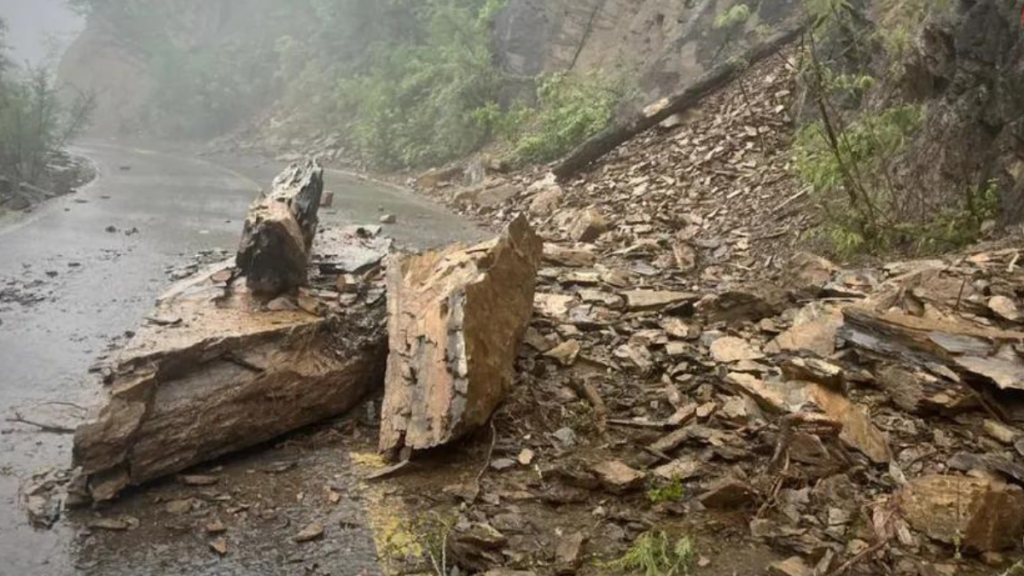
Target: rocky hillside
<point x="969" y="68"/>
<point x="668" y="42"/>
<point x="663" y="43"/>
<point x="127" y="49"/>
<point x="951" y="72"/>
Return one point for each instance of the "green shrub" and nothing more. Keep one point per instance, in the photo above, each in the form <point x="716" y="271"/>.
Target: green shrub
<point x="872" y="218"/>
<point x="733" y="17"/>
<point x="421" y="103"/>
<point x="851" y="176"/>
<point x="899" y="22"/>
<point x="865" y="145"/>
<point x="34" y="122"/>
<point x="672" y="491"/>
<point x="570" y="109"/>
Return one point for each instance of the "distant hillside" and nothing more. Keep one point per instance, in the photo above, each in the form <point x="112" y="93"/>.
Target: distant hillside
<point x="202" y="68"/>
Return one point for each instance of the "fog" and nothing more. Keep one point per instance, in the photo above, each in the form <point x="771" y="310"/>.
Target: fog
<point x="34" y="25"/>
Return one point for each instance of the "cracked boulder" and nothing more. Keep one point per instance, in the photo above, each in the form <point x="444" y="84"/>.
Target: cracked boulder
<point x="456" y="318"/>
<point x="215" y="370"/>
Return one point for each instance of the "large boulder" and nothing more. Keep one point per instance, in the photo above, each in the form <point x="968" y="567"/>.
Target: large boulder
<point x="456" y="318"/>
<point x="216" y="370"/>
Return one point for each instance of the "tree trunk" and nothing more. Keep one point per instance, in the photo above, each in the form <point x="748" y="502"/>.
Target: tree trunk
<point x="596" y="147"/>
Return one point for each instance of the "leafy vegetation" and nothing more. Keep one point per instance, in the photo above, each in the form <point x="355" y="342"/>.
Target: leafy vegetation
<point x="420" y="103"/>
<point x="434" y="533"/>
<point x="401" y="83"/>
<point x="849" y="157"/>
<point x="1015" y="570"/>
<point x="34" y="122"/>
<point x="428" y="90"/>
<point x="900" y="20"/>
<point x="671" y="491"/>
<point x="569" y="110"/>
<point x="733" y="17"/>
<point x="656" y="553"/>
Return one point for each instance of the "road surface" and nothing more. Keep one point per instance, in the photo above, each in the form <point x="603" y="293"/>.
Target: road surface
<point x="79" y="273"/>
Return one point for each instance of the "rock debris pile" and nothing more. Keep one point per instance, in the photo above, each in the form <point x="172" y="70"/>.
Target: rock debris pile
<point x="654" y="355"/>
<point x="688" y="369"/>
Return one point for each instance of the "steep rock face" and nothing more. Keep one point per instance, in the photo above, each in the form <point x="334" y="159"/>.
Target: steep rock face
<point x="969" y="67"/>
<point x="666" y="41"/>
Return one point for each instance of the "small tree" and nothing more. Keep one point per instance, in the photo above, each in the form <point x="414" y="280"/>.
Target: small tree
<point x="849" y="156"/>
<point x="33" y="122"/>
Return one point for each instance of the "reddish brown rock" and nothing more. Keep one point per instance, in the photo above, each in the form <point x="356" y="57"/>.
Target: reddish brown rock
<point x="588" y="226"/>
<point x="728" y="493"/>
<point x="569" y="257"/>
<point x="569" y="553"/>
<point x="456" y="318"/>
<point x="649" y="300"/>
<point x="978" y="514"/>
<point x="854" y="423"/>
<point x="753" y="304"/>
<point x="545" y="203"/>
<point x="731" y="349"/>
<point x="975" y="351"/>
<point x="808" y="274"/>
<point x="919" y="392"/>
<point x="617" y="477"/>
<point x="814" y="331"/>
<point x="794" y="566"/>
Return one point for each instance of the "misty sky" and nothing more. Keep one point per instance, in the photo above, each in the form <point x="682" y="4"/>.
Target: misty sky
<point x="30" y="22"/>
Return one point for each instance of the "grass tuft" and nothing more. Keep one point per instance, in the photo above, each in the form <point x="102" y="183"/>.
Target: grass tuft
<point x="672" y="491"/>
<point x="656" y="553"/>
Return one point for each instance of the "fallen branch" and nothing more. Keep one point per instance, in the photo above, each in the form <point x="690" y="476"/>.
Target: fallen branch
<point x="49" y="428"/>
<point x="490" y="453"/>
<point x="843" y="569"/>
<point x="388" y="471"/>
<point x="596" y="147"/>
<point x="641" y="424"/>
<point x="487" y="462"/>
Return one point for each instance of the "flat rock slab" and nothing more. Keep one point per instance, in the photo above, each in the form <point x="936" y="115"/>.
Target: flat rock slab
<point x="456" y="318"/>
<point x="978" y="353"/>
<point x="221" y="372"/>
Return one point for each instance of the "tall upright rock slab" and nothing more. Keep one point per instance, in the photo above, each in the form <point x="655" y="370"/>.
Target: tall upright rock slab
<point x="456" y="318"/>
<point x="279" y="231"/>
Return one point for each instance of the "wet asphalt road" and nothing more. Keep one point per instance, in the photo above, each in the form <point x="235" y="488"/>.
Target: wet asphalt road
<point x="78" y="287"/>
